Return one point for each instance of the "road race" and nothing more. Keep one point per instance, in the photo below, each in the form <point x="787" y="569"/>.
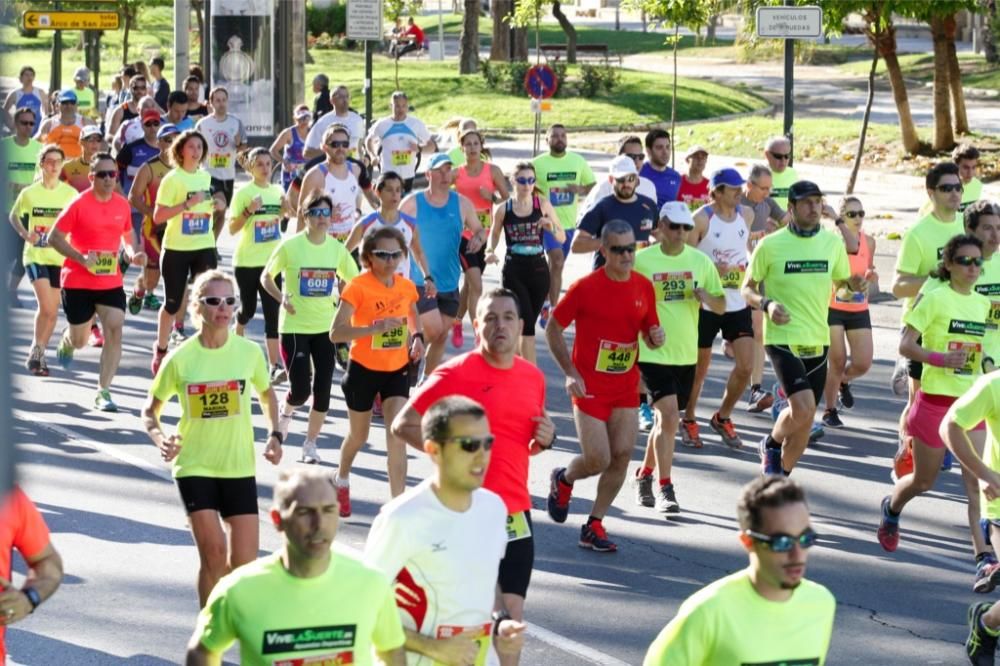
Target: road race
<point x="367" y="335"/>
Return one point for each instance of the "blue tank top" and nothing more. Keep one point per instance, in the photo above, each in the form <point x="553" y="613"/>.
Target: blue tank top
<point x="32" y="101"/>
<point x="293" y="153"/>
<point x="139" y="152"/>
<point x="440" y="235"/>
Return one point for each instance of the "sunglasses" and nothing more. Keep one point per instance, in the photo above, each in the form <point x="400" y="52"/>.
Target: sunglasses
<point x="966" y="260"/>
<point x="388" y="255"/>
<point x="525" y="181"/>
<point x="636" y="156"/>
<point x="473" y="444"/>
<point x="319" y="212"/>
<point x="339" y="144"/>
<point x="151" y="124"/>
<point x="622" y="249"/>
<point x="106" y="174"/>
<point x="854" y="213"/>
<point x="26" y="123"/>
<point x="68" y="101"/>
<point x="781" y="156"/>
<point x="217" y="301"/>
<point x="674" y="226"/>
<point x="626" y="179"/>
<point x="782" y="543"/>
<point x="957" y="187"/>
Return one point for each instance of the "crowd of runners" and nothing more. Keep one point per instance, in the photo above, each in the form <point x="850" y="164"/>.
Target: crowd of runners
<point x="109" y="210"/>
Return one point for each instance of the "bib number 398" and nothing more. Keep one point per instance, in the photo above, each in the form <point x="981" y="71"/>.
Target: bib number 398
<point x="105" y="263"/>
<point x="615" y="357"/>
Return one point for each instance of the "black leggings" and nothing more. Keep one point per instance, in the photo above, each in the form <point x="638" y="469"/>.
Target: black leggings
<point x="248" y="280"/>
<point x="302" y="353"/>
<point x="528" y="278"/>
<point x="179" y="268"/>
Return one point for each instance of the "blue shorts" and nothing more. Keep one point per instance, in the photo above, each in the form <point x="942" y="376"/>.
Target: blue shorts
<point x="550" y="242"/>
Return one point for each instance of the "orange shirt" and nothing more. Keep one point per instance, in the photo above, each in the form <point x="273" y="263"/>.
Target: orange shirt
<point x="66" y="137"/>
<point x="21" y="527"/>
<point x="372" y="300"/>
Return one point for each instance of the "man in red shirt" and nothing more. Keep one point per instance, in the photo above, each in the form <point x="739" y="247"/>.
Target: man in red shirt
<point x="411" y="40"/>
<point x="512" y="391"/>
<point x="97" y="222"/>
<point x="611" y="307"/>
<point x="694" y="186"/>
<point x="22" y="527"/>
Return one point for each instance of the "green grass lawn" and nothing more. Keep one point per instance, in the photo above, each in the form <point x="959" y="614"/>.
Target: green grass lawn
<point x="976" y="72"/>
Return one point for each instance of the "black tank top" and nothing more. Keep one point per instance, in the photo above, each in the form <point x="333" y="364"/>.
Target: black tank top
<point x="523" y="234"/>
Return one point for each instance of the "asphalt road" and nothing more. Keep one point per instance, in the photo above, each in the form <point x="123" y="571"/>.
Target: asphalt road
<point x="129" y="596"/>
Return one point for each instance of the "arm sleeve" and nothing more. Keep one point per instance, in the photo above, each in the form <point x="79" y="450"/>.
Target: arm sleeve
<point x="388" y="632"/>
<point x="67" y="219"/>
<point x="314" y="138"/>
<point x="775" y="211"/>
<point x="592" y="221"/>
<point x="31" y="535"/>
<point x="975" y="405"/>
<point x="586" y="174"/>
<point x="165" y="382"/>
<point x="353" y="294"/>
<point x="910" y="255"/>
<point x="423" y="136"/>
<point x="168" y="193"/>
<point x="385" y="548"/>
<point x="215" y="629"/>
<point x="685" y="641"/>
<point x="841" y="264"/>
<point x="261" y="375"/>
<point x="758" y="262"/>
<point x="278" y="260"/>
<point x="922" y="313"/>
<point x="652" y="317"/>
<point x="240" y="201"/>
<point x="124" y="157"/>
<point x="566" y="309"/>
<point x="347" y="270"/>
<point x="435" y="387"/>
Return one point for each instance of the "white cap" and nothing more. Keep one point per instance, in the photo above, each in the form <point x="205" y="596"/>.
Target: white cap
<point x="622" y="166"/>
<point x="694" y="150"/>
<point x="677" y="212"/>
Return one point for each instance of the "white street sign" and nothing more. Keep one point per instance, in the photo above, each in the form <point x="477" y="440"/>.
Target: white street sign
<point x="364" y="20"/>
<point x="790" y="22"/>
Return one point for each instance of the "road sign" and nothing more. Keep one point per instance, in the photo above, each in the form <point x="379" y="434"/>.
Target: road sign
<point x="541" y="82"/>
<point x="44" y="20"/>
<point x="790" y="22"/>
<point x="364" y="20"/>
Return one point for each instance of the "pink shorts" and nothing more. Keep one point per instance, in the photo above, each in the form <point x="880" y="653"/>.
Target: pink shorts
<point x="925" y="417"/>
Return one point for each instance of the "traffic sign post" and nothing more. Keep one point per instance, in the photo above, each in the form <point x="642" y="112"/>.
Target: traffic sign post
<point x="541" y="83"/>
<point x="364" y="23"/>
<point x="59" y="20"/>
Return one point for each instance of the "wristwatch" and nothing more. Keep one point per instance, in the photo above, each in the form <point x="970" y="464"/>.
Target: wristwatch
<point x="33" y="597"/>
<point x="498" y="617"/>
<point x="278" y="436"/>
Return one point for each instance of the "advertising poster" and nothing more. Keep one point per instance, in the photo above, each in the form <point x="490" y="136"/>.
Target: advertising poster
<point x="242" y="39"/>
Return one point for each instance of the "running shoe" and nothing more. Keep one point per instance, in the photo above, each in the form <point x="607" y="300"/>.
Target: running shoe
<point x="846" y="397"/>
<point x="457" y="335"/>
<point x="770" y="459"/>
<point x="177" y="335"/>
<point x="831" y="419"/>
<point x="817" y="433"/>
<point x="278" y="374"/>
<point x="900" y="382"/>
<point x="158" y="356"/>
<point x="666" y="500"/>
<point x="96" y="337"/>
<point x="594" y="537"/>
<point x="902" y="463"/>
<point x="780" y="400"/>
<point x="690" y="435"/>
<point x="645" y="417"/>
<point x="45" y="366"/>
<point x="377" y="406"/>
<point x="103" y="401"/>
<point x="980" y="646"/>
<point x="987" y="577"/>
<point x="725" y="429"/>
<point x="759" y="401"/>
<point x="560" y="492"/>
<point x="34" y="362"/>
<point x="643" y="489"/>
<point x="151" y="302"/>
<point x="135" y="303"/>
<point x="64" y="352"/>
<point x="888" y="530"/>
<point x="543" y="316"/>
<point x="343" y="354"/>
<point x="284" y="422"/>
<point x="343" y="498"/>
<point x="310" y="455"/>
<point x="948" y="461"/>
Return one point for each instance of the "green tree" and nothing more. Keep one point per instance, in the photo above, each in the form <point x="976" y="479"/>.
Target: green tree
<point x="130" y="11"/>
<point x="527" y="12"/>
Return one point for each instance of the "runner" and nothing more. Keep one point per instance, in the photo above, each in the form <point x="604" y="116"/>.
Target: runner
<point x="161" y="87"/>
<point x="25" y="97"/>
<point x="272" y="606"/>
<point x="631" y="147"/>
<point x="778" y="153"/>
<point x="523" y="220"/>
<point x="950" y="324"/>
<point x="212" y="452"/>
<point x="177" y="106"/>
<point x="512" y="392"/>
<point x="76" y="172"/>
<point x="32" y="216"/>
<point x="441" y="215"/>
<point x="966" y="157"/>
<point x="287" y="147"/>
<point x="612" y="308"/>
<point x="134" y="155"/>
<point x="338" y="178"/>
<point x="96" y="221"/>
<point x="722" y="233"/>
<point x="564" y="177"/>
<point x="694" y="186"/>
<point x="255" y="219"/>
<point x="850" y="322"/>
<point x="399" y="139"/>
<point x="185" y="203"/>
<point x="798" y="265"/>
<point x="378" y="316"/>
<point x="484" y="185"/>
<point x="767" y="613"/>
<point x="86" y="100"/>
<point x="458" y="126"/>
<point x="133" y="129"/>
<point x="310" y="262"/>
<point x="65" y="128"/>
<point x="196" y="108"/>
<point x="657" y="167"/>
<point x="224" y="135"/>
<point x="128" y="108"/>
<point x="443" y="541"/>
<point x="18" y="163"/>
<point x="342" y="114"/>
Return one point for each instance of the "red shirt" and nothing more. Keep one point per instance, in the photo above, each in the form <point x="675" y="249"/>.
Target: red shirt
<point x="418" y="34"/>
<point x="695" y="196"/>
<point x="95" y="226"/>
<point x="511" y="398"/>
<point x="21" y="527"/>
<point x="609" y="317"/>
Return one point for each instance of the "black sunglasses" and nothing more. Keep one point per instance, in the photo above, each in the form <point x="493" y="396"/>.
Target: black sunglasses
<point x="339" y="144"/>
<point x="782" y="543"/>
<point x="854" y="213"/>
<point x="966" y="260"/>
<point x="781" y="156"/>
<point x="636" y="156"/>
<point x="106" y="174"/>
<point x="957" y="187"/>
<point x="151" y="124"/>
<point x="216" y="301"/>
<point x="674" y="226"/>
<point x="627" y="179"/>
<point x="622" y="249"/>
<point x="388" y="255"/>
<point x="473" y="444"/>
<point x="26" y="123"/>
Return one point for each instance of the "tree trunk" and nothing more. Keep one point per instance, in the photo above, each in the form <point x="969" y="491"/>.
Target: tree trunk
<point x="520" y="44"/>
<point x="991" y="32"/>
<point x="886" y="45"/>
<point x="199" y="15"/>
<point x="125" y="34"/>
<point x="568" y="28"/>
<point x="673" y="97"/>
<point x="468" y="48"/>
<point x="955" y="79"/>
<point x="500" y="47"/>
<point x="944" y="139"/>
<point x="864" y="124"/>
<point x="710" y="29"/>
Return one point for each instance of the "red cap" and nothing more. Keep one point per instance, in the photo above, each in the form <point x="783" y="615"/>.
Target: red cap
<point x="150" y="114"/>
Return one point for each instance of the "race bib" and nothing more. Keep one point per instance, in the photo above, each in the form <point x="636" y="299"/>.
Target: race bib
<point x="616" y="358"/>
<point x="992" y="320"/>
<point x="845" y="295"/>
<point x="973" y="355"/>
<point x="106" y="263"/>
<point x="329" y="659"/>
<point x="214" y="400"/>
<point x="807" y="351"/>
<point x="733" y="278"/>
<point x="394" y="338"/>
<point x="265" y="231"/>
<point x="316" y="282"/>
<point x="194" y="224"/>
<point x="43" y="235"/>
<point x="219" y="160"/>
<point x="673" y="286"/>
<point x="484" y="218"/>
<point x="560" y="196"/>
<point x="518" y="527"/>
<point x="480" y="632"/>
<point x="401" y="157"/>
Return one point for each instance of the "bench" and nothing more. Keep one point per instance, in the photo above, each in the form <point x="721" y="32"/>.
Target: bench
<point x="584" y="53"/>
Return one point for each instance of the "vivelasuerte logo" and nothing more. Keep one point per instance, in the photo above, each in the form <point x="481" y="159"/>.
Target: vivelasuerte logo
<point x="309" y="638"/>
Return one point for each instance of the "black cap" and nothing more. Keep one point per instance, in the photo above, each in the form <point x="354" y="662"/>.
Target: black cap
<point x="802" y="189"/>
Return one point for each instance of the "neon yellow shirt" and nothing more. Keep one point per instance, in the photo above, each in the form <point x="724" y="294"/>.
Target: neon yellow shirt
<point x="988" y="285"/>
<point x="728" y="623"/>
<point x="188" y="230"/>
<point x="262" y="232"/>
<point x="780" y="183"/>
<point x="310" y="275"/>
<point x="213" y="388"/>
<point x="342" y="616"/>
<point x="674" y="279"/>
<point x="982" y="403"/>
<point x="42" y="206"/>
<point x="18" y="164"/>
<point x="86" y="102"/>
<point x="553" y="174"/>
<point x="950" y="321"/>
<point x="798" y="273"/>
<point x="922" y="245"/>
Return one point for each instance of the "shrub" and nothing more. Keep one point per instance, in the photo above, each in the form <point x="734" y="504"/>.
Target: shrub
<point x="331" y="20"/>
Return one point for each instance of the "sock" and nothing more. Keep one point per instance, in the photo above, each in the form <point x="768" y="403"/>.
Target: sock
<point x="343" y="483"/>
<point x="991" y="632"/>
<point x="771" y="443"/>
<point x="720" y="419"/>
<point x="754" y="387"/>
<point x="593" y="519"/>
<point x="645" y="471"/>
<point x="889" y="514"/>
<point x="665" y="482"/>
<point x="139" y="293"/>
<point x="178" y="327"/>
<point x="94" y="328"/>
<point x="786" y="472"/>
<point x="642" y="398"/>
<point x="563" y="480"/>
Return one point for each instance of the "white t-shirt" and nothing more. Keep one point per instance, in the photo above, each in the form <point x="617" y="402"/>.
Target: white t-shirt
<point x="354" y="123"/>
<point x="400" y="140"/>
<point x="444" y="563"/>
<point x="222" y="139"/>
<point x="604" y="188"/>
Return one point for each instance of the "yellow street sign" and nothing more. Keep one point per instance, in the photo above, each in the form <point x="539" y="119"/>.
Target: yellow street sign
<point x="55" y="20"/>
